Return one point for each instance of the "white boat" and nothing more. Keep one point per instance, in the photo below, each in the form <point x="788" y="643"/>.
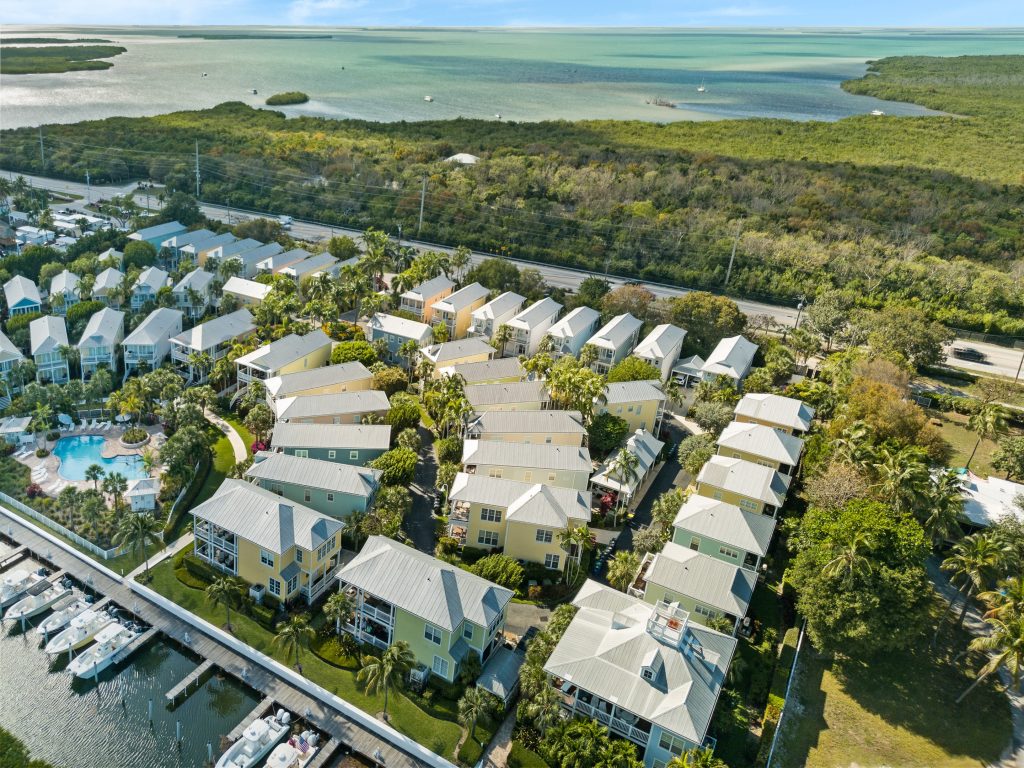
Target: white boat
<point x="82" y="630"/>
<point x="877" y="112"/>
<point x="62" y="615"/>
<point x="297" y="752"/>
<point x="701" y="88"/>
<point x="39" y="598"/>
<point x="16" y="584"/>
<point x="428" y="98"/>
<point x="109" y="641"/>
<point x="259" y="737"/>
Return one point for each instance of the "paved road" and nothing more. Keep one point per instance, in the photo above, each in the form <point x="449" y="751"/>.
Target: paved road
<point x="419" y="523"/>
<point x="999" y="360"/>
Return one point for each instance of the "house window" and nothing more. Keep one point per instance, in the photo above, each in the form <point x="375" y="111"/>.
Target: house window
<point x="298" y="555"/>
<point x="718" y="497"/>
<point x="551" y="477"/>
<point x="487" y="538"/>
<point x="551" y="561"/>
<point x="527" y="476"/>
<point x="748" y="505"/>
<point x="671" y="743"/>
<point x="704" y="611"/>
<point x="432" y="633"/>
<point x="490" y="515"/>
<point x="306" y="495"/>
<point x="695" y="542"/>
<point x="274" y="587"/>
<point x="729" y="552"/>
<point x="266" y="558"/>
<point x="544" y="536"/>
<point x="301" y="453"/>
<point x="331" y="454"/>
<point x="330" y="497"/>
<point x="353" y="455"/>
<point x="467" y="631"/>
<point x="547" y="440"/>
<point x="326" y="547"/>
<point x="293" y="583"/>
<point x="440" y="667"/>
<point x="494" y="472"/>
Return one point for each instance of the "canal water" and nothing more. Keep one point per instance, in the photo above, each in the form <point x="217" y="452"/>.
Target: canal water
<point x="75" y="723"/>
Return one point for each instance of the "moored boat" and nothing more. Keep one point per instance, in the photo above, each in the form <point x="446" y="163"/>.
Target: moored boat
<point x="83" y="628"/>
<point x="16" y="584"/>
<point x="109" y="641"/>
<point x="63" y="613"/>
<point x="40" y="597"/>
<point x="297" y="752"/>
<point x="258" y="738"/>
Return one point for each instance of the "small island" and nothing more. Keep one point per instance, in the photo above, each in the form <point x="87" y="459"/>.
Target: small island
<point x="288" y="97"/>
<point x="29" y="60"/>
<point x="52" y="40"/>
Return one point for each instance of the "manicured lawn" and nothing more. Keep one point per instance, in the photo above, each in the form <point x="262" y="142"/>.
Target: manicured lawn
<point x="521" y="757"/>
<point x="244" y="433"/>
<point x="954" y="429"/>
<point x="897" y="710"/>
<point x="441" y="736"/>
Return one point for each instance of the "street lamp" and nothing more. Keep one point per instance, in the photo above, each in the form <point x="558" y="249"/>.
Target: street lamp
<point x="799" y="308"/>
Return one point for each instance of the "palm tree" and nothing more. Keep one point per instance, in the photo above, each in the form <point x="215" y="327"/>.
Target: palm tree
<point x="293" y="635"/>
<point x="850" y="558"/>
<point x="115" y="484"/>
<point x="854" y="445"/>
<point x="541" y="710"/>
<point x="502" y="336"/>
<point x="72" y="354"/>
<point x="697" y="758"/>
<point x="95" y="473"/>
<point x="989" y="421"/>
<point x="200" y="361"/>
<point x="475" y="704"/>
<point x="622" y="568"/>
<point x="973" y="563"/>
<point x="137" y="531"/>
<point x="409" y="349"/>
<point x="587" y="355"/>
<point x="1006" y="646"/>
<point x="625" y="468"/>
<point x="130" y="404"/>
<point x="386" y="672"/>
<point x="902" y="476"/>
<point x="225" y="591"/>
<point x="338" y="607"/>
<point x="944" y="509"/>
<point x="576" y="538"/>
<point x="1006" y="600"/>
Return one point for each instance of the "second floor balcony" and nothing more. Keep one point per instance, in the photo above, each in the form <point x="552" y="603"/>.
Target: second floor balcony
<point x="608" y="714"/>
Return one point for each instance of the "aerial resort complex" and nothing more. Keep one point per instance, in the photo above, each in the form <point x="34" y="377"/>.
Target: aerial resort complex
<point x="639" y="398"/>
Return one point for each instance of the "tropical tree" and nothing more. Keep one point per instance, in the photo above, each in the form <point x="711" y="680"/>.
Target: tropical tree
<point x="259" y="420"/>
<point x="95" y="473"/>
<point x="851" y="557"/>
<point x="295" y="634"/>
<point x="624" y="466"/>
<point x="137" y="531"/>
<point x="944" y="508"/>
<point x="408" y="350"/>
<point x="697" y="758"/>
<point x="988" y="422"/>
<point x="541" y="710"/>
<point x="476" y="704"/>
<point x="381" y="674"/>
<point x="666" y="507"/>
<point x="201" y="362"/>
<point x="502" y="336"/>
<point x="575" y="540"/>
<point x="1006" y="600"/>
<point x="338" y="607"/>
<point x="1006" y="648"/>
<point x="115" y="484"/>
<point x="902" y="476"/>
<point x="622" y="568"/>
<point x="973" y="564"/>
<point x="225" y="591"/>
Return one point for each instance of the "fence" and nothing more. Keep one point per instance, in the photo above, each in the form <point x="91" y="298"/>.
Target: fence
<point x="785" y="701"/>
<point x="70" y="535"/>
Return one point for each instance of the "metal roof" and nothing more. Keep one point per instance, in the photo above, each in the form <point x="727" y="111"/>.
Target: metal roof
<point x="315" y="473"/>
<point x="726" y="523"/>
<point x="47" y="333"/>
<point x="328" y="375"/>
<point x="19" y="288"/>
<point x="428" y="288"/>
<point x="143" y="486"/>
<point x="159" y="325"/>
<point x="153" y="278"/>
<point x="500" y="675"/>
<point x="480" y="395"/>
<point x="249" y="288"/>
<point x="64" y="282"/>
<point x="776" y="409"/>
<point x="280" y="259"/>
<point x="765" y="442"/>
<point x="617" y="332"/>
<point x="217" y="331"/>
<point x="533" y="503"/>
<point x="103" y="328"/>
<point x="462" y="298"/>
<point x="8" y="351"/>
<point x="579" y="321"/>
<point x="197" y="280"/>
<point x="342" y="436"/>
<point x="233" y="248"/>
<point x="439" y="354"/>
<point x="664" y="341"/>
<point x="486" y="370"/>
<point x="338" y="404"/>
<point x="494" y="453"/>
<point x="159" y="230"/>
<point x="443" y="594"/>
<point x="547" y="422"/>
<point x="265" y="519"/>
<point x="399" y="326"/>
<point x="732" y="357"/>
<point x="503" y="304"/>
<point x="642" y="444"/>
<point x="706" y="579"/>
<point x="285" y="350"/>
<point x="318" y="262"/>
<point x="744" y="478"/>
<point x="177" y="242"/>
<point x="536" y="313"/>
<point x="109" y="278"/>
<point x="209" y="243"/>
<point x="607" y="643"/>
<point x="632" y="392"/>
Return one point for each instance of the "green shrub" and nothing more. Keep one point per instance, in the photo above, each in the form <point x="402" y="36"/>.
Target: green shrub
<point x="186" y="577"/>
<point x="448" y="450"/>
<point x="53" y="434"/>
<point x="263" y="615"/>
<point x="288" y="97"/>
<point x="471" y="554"/>
<point x="188" y="501"/>
<point x="522" y="757"/>
<point x="134" y="435"/>
<point x="200" y="569"/>
<point x="42" y="453"/>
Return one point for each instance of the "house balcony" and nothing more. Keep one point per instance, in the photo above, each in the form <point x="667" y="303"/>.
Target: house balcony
<point x="669" y="623"/>
<point x="639" y="585"/>
<point x="460" y="512"/>
<point x="619" y="721"/>
<point x="315" y="588"/>
<point x="386" y="617"/>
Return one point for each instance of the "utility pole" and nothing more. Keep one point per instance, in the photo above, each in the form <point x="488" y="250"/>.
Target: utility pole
<point x="197" y="169"/>
<point x="423" y="197"/>
<point x="88" y="189"/>
<point x="1019" y="367"/>
<point x="732" y="256"/>
<point x="42" y="154"/>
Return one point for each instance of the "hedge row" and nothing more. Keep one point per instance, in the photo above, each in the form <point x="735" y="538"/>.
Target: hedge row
<point x="777" y="694"/>
<point x="198" y="481"/>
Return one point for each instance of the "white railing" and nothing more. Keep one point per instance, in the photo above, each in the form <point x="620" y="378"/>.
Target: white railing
<point x="376" y="613"/>
<point x="617" y="724"/>
<point x="106" y="554"/>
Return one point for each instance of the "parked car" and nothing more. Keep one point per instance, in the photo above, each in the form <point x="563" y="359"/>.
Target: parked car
<point x="530" y="633"/>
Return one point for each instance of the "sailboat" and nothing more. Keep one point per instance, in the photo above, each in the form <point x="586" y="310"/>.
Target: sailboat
<point x="701" y="88"/>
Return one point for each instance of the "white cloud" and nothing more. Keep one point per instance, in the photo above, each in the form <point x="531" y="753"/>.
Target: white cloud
<point x="306" y="11"/>
<point x="744" y="11"/>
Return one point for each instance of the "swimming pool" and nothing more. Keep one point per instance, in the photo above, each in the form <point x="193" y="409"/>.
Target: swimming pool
<point x="78" y="453"/>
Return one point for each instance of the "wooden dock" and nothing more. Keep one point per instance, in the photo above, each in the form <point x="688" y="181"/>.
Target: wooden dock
<point x="323" y="757"/>
<point x="19" y="554"/>
<point x="258" y="711"/>
<point x="135" y="644"/>
<point x="195" y="676"/>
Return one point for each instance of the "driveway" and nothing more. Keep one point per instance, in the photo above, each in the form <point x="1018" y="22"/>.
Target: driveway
<point x="419" y="523"/>
<point x="521" y="616"/>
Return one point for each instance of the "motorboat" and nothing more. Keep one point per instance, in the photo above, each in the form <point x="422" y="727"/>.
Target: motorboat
<point x="259" y="737"/>
<point x="109" y="641"/>
<point x="297" y="752"/>
<point x="81" y="631"/>
<point x="254" y="91"/>
<point x="16" y="584"/>
<point x="877" y="113"/>
<point x="40" y="597"/>
<point x="63" y="613"/>
<point x="701" y="88"/>
<point x="428" y="98"/>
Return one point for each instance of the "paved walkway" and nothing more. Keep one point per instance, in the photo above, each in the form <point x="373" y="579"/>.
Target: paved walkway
<point x="241" y="449"/>
<point x="497" y="753"/>
<point x="161" y="555"/>
<point x="1013" y="756"/>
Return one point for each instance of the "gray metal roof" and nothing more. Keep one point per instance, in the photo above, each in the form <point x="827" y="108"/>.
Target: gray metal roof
<point x="159" y="230"/>
<point x="314" y="473"/>
<point x="400" y="326"/>
<point x="285" y="350"/>
<point x="578" y="321"/>
<point x="19" y="288"/>
<point x="153" y="278"/>
<point x="607" y="643"/>
<point x="64" y="282"/>
<point x="486" y="370"/>
<point x="726" y="523"/>
<point x="493" y="453"/>
<point x="776" y="409"/>
<point x="266" y="519"/>
<point x="732" y="357"/>
<point x="429" y="288"/>
<point x="642" y="444"/>
<point x="233" y="248"/>
<point x="316" y="263"/>
<point x="546" y="422"/>
<point x="109" y="278"/>
<point x="103" y="328"/>
<point x="506" y="302"/>
<point x="160" y="324"/>
<point x="439" y="354"/>
<point x="745" y="478"/>
<point x="187" y="238"/>
<point x="432" y="589"/>
<point x="462" y="298"/>
<point x="480" y="395"/>
<point x="500" y="675"/>
<point x="279" y="259"/>
<point x="632" y="392"/>
<point x="342" y="403"/>
<point x="250" y="288"/>
<point x="532" y="503"/>
<point x="217" y="331"/>
<point x="283" y="386"/>
<point x="209" y="243"/>
<point x="8" y="351"/>
<point x="664" y="341"/>
<point x="765" y="442"/>
<point x="341" y="436"/>
<point x="197" y="280"/>
<point x="617" y="332"/>
<point x="536" y="313"/>
<point x="706" y="579"/>
<point x="47" y="333"/>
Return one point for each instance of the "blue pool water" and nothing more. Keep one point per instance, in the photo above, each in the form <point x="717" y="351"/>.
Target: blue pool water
<point x="76" y="454"/>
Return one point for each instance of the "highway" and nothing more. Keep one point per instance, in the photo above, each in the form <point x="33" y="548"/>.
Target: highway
<point x="998" y="360"/>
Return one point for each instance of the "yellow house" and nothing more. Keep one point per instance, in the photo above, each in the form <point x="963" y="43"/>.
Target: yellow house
<point x="455" y="311"/>
<point x="749" y="486"/>
<point x="522" y="519"/>
<point x="500" y="371"/>
<point x="762" y="445"/>
<point x="420" y="301"/>
<point x="291" y="354"/>
<point x="281" y="548"/>
<point x="786" y="413"/>
<point x="342" y="408"/>
<point x="640" y="403"/>
<point x="328" y="380"/>
<point x="248" y="293"/>
<point x="563" y="465"/>
<point x="537" y="427"/>
<point x="450" y="353"/>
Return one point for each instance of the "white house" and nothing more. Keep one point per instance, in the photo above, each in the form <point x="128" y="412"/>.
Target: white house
<point x="105" y="288"/>
<point x="733" y="357"/>
<point x="249" y="293"/>
<point x="614" y="341"/>
<point x="252" y="258"/>
<point x="10" y="356"/>
<point x="22" y="296"/>
<point x="530" y="325"/>
<point x="220" y="253"/>
<point x="213" y="338"/>
<point x="48" y="334"/>
<point x="192" y="293"/>
<point x="571" y="332"/>
<point x="64" y="285"/>
<point x="495" y="313"/>
<point x="311" y="267"/>
<point x="142" y="493"/>
<point x="99" y="342"/>
<point x="661" y="348"/>
<point x="150" y="280"/>
<point x="149" y="344"/>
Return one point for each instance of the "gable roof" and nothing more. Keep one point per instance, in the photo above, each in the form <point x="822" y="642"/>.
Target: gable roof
<point x="209" y="243"/>
<point x="197" y="280"/>
<point x="8" y="351"/>
<point x="642" y="444"/>
<point x="164" y="230"/>
<point x="314" y="473"/>
<point x="462" y="298"/>
<point x="760" y="440"/>
<point x="706" y="579"/>
<point x="428" y="288"/>
<point x="340" y="436"/>
<point x="506" y="302"/>
<point x="234" y="248"/>
<point x="432" y="589"/>
<point x="726" y="523"/>
<point x="103" y="328"/>
<point x="536" y="313"/>
<point x="439" y="354"/>
<point x="328" y="375"/>
<point x="109" y="278"/>
<point x="744" y="478"/>
<point x="158" y="326"/>
<point x="248" y="288"/>
<point x="664" y="341"/>
<point x="47" y="333"/>
<point x="552" y="457"/>
<point x="317" y="262"/>
<point x="19" y="289"/>
<point x="617" y="332"/>
<point x="548" y="422"/>
<point x="776" y="409"/>
<point x="632" y="392"/>
<point x="153" y="278"/>
<point x="217" y="331"/>
<point x="480" y="395"/>
<point x="266" y="519"/>
<point x="177" y="242"/>
<point x="143" y="486"/>
<point x="532" y="503"/>
<point x="732" y="356"/>
<point x="285" y="350"/>
<point x="579" y="320"/>
<point x="280" y="259"/>
<point x="400" y="326"/>
<point x="64" y="282"/>
<point x="486" y="370"/>
<point x="307" y="406"/>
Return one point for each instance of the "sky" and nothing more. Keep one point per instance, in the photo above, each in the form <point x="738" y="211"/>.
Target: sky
<point x="519" y="13"/>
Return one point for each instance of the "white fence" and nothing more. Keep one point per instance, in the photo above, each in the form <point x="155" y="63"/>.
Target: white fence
<point x="106" y="554"/>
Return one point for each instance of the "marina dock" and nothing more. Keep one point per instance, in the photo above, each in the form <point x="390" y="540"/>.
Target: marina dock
<point x="135" y="644"/>
<point x="325" y="754"/>
<point x="195" y="676"/>
<point x="18" y="554"/>
<point x="258" y="711"/>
